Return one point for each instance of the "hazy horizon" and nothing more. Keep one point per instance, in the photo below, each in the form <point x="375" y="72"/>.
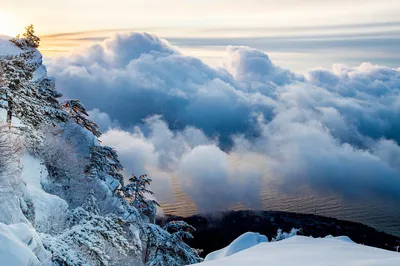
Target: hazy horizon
<point x="296" y="34"/>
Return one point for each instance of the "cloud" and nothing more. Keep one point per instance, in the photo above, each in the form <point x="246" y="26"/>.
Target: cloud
<point x="102" y="119"/>
<point x="250" y="65"/>
<point x="226" y="132"/>
<point x="139" y="75"/>
<point x="206" y="173"/>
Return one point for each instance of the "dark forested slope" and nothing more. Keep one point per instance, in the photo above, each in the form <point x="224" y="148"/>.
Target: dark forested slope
<point x="217" y="230"/>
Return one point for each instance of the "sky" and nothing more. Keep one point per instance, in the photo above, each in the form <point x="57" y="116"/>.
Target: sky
<point x="309" y="30"/>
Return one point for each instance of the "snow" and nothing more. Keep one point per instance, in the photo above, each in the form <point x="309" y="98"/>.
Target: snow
<point x="10" y="207"/>
<point x="10" y="210"/>
<point x="49" y="209"/>
<point x="20" y="245"/>
<point x="245" y="241"/>
<point x="7" y="47"/>
<point x="307" y="251"/>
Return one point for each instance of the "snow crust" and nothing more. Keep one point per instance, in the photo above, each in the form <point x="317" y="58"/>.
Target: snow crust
<point x="307" y="251"/>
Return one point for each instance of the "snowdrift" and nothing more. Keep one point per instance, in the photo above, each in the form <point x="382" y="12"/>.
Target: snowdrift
<point x="245" y="241"/>
<point x="307" y="251"/>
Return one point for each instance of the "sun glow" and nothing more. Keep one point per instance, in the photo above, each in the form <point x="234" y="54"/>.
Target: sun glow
<point x="8" y="25"/>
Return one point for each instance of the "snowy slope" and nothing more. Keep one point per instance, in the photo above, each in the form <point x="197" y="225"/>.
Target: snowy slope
<point x="20" y="245"/>
<point x="8" y="48"/>
<point x="49" y="209"/>
<point x="70" y="216"/>
<point x="307" y="251"/>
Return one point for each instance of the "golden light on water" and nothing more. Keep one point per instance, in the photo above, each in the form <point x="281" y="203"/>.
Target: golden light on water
<point x="8" y="25"/>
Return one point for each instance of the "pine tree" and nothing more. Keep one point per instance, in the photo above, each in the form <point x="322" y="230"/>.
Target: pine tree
<point x="90" y="204"/>
<point x="136" y="190"/>
<point x="28" y="39"/>
<point x="104" y="161"/>
<point x="49" y="95"/>
<point x="165" y="249"/>
<point x="77" y="112"/>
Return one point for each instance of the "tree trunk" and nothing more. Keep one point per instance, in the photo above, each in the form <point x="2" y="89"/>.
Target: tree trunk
<point x="147" y="252"/>
<point x="9" y="113"/>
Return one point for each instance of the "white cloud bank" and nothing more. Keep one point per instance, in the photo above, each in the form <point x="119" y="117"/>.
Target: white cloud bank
<point x="225" y="131"/>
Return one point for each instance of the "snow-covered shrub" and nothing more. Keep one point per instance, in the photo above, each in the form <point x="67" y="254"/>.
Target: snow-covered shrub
<point x="79" y="138"/>
<point x="280" y="235"/>
<point x="59" y="156"/>
<point x="94" y="239"/>
<point x="11" y="148"/>
<point x="179" y="229"/>
<point x="62" y="253"/>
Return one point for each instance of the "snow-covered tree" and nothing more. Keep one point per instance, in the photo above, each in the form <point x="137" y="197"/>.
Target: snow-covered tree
<point x="28" y="38"/>
<point x="78" y="113"/>
<point x="10" y="149"/>
<point x="90" y="204"/>
<point x="136" y="190"/>
<point x="104" y="162"/>
<point x="16" y="90"/>
<point x="180" y="229"/>
<point x="49" y="96"/>
<point x="59" y="156"/>
<point x="165" y="249"/>
<point x="91" y="239"/>
<point x="34" y="102"/>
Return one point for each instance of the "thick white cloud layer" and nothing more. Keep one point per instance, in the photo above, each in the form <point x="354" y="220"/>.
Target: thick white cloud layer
<point x="226" y="131"/>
